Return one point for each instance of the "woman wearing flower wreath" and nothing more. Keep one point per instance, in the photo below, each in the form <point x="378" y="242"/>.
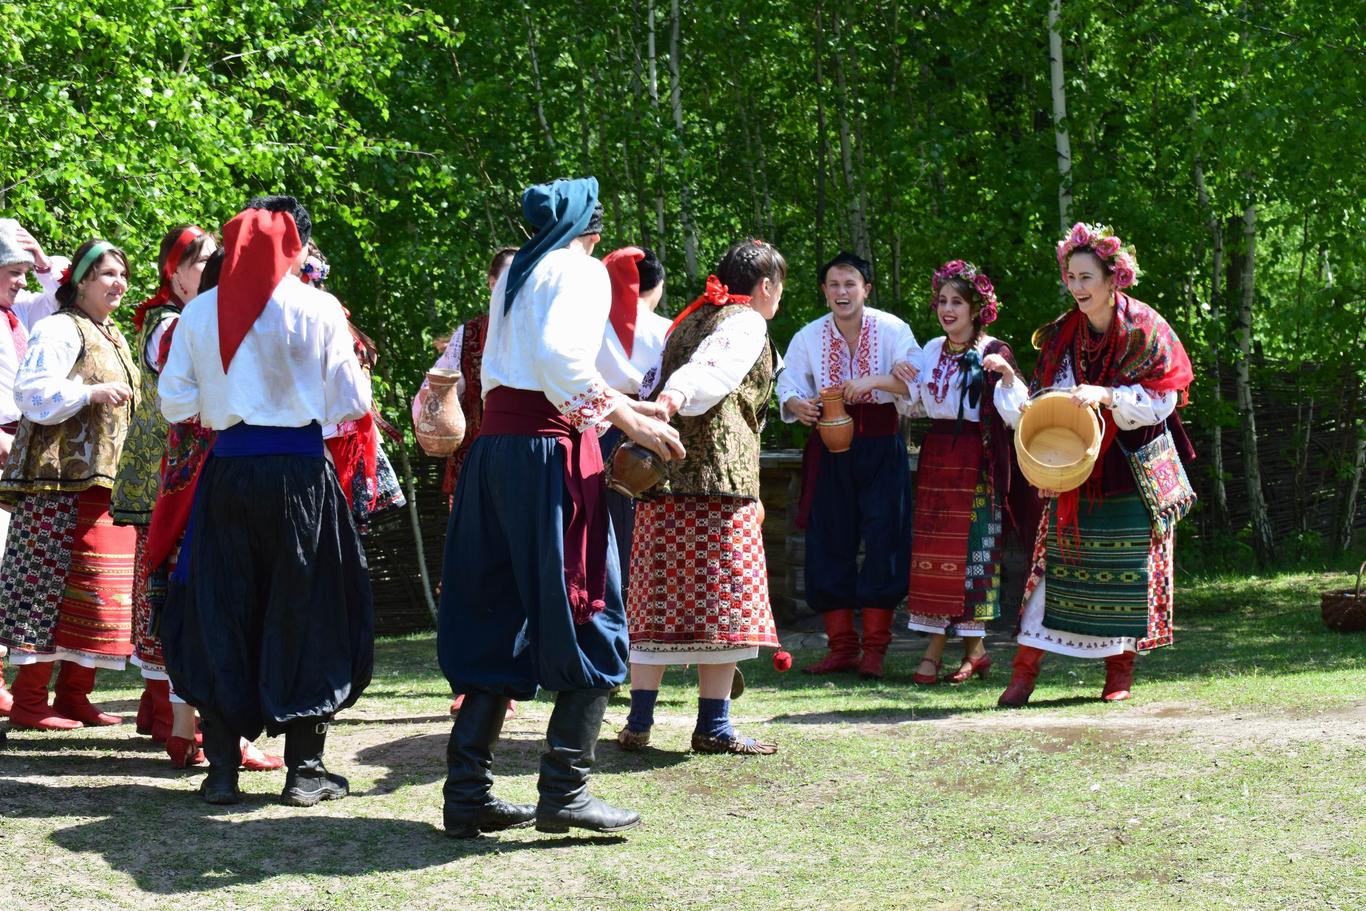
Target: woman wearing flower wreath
<point x="699" y="585"/>
<point x="969" y="387"/>
<point x="1100" y="585"/>
<point x="66" y="579"/>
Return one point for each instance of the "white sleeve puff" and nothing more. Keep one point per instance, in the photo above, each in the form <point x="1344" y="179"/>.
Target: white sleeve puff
<point x="42" y="389"/>
<point x="1009" y="400"/>
<point x="798" y="377"/>
<point x="720" y="363"/>
<point x="1137" y="407"/>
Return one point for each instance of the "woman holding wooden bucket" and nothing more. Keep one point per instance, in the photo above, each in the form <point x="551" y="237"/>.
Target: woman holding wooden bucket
<point x="1101" y="579"/>
<point x="968" y="385"/>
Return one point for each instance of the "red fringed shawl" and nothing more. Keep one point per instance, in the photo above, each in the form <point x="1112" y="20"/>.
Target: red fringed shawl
<point x="1138" y="349"/>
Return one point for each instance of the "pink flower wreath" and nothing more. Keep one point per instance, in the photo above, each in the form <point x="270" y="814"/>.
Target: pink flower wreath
<point x="1107" y="246"/>
<point x="982" y="289"/>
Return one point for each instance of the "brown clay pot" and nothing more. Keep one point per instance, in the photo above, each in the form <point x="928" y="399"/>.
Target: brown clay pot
<point x="440" y="424"/>
<point x="634" y="470"/>
<point x="835" y="426"/>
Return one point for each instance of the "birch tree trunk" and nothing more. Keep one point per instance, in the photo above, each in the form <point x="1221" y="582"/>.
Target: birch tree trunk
<point x="536" y="87"/>
<point x="653" y="83"/>
<point x="858" y="223"/>
<point x="822" y="129"/>
<point x="1263" y="538"/>
<point x="1347" y="512"/>
<point x="1055" y="70"/>
<point x="1215" y="341"/>
<point x="685" y="189"/>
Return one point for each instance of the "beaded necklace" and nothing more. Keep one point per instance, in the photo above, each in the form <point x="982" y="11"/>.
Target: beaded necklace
<point x="950" y="358"/>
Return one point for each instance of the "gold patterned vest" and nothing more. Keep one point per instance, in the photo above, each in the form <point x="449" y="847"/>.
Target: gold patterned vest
<point x="82" y="451"/>
<point x="722" y="443"/>
<point x="139" y="474"/>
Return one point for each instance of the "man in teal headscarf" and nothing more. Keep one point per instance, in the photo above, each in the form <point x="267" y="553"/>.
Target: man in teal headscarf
<point x="531" y="594"/>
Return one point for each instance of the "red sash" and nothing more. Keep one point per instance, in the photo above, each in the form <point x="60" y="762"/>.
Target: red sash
<point x="525" y="412"/>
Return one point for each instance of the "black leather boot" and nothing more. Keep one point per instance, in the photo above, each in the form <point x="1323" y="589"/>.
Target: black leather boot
<point x="470" y="807"/>
<point x="306" y="781"/>
<point x="224" y="752"/>
<point x="572" y="736"/>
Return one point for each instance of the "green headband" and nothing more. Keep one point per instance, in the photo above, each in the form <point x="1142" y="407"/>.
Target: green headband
<point x="91" y="257"/>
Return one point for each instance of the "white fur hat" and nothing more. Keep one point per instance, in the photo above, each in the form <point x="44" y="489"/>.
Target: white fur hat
<point x="10" y="251"/>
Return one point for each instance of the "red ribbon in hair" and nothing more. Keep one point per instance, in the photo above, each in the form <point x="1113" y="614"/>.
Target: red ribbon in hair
<point x="716" y="294"/>
<point x="259" y="248"/>
<point x="163" y="295"/>
<point x="625" y="275"/>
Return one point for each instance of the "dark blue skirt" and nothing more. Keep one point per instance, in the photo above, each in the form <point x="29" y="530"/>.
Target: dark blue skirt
<point x="505" y="625"/>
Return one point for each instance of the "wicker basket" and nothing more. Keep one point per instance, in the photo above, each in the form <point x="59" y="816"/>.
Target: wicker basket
<point x="1345" y="611"/>
<point x="1057" y="443"/>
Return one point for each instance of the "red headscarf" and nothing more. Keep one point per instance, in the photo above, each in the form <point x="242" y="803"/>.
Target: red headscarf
<point x="716" y="294"/>
<point x="163" y="295"/>
<point x="259" y="248"/>
<point x="621" y="267"/>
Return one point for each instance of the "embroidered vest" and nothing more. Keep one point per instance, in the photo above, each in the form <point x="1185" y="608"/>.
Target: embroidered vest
<point x="139" y="473"/>
<point x="83" y="451"/>
<point x="723" y="443"/>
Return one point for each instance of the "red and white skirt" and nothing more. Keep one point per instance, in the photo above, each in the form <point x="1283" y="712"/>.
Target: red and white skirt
<point x="699" y="582"/>
<point x="66" y="581"/>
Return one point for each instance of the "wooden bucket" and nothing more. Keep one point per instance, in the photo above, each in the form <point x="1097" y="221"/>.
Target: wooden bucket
<point x="1057" y="443"/>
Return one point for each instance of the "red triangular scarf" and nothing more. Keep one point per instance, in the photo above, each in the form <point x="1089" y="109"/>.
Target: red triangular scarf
<point x="621" y="267"/>
<point x="259" y="247"/>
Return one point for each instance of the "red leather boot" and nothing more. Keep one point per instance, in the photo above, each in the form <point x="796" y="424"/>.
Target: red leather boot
<point x="6" y="698"/>
<point x="143" y="723"/>
<point x="877" y="635"/>
<point x="1026" y="669"/>
<point x="75" y="683"/>
<point x="30" y="708"/>
<point x="1119" y="677"/>
<point x="844" y="652"/>
<point x="163" y="717"/>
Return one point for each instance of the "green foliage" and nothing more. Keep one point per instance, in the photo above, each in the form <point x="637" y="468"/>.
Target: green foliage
<point x="410" y="129"/>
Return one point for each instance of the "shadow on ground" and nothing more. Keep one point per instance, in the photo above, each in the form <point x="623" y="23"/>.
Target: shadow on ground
<point x="185" y="845"/>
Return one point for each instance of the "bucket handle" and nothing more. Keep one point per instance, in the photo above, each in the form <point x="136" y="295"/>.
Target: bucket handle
<point x="1047" y="389"/>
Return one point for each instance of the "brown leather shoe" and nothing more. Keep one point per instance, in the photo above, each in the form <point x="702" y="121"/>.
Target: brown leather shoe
<point x="745" y="746"/>
<point x="631" y="741"/>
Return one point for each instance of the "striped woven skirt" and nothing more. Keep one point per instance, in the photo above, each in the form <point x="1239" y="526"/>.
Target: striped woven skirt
<point x="149" y="597"/>
<point x="66" y="581"/>
<point x="1117" y="582"/>
<point x="699" y="582"/>
<point x="955" y="537"/>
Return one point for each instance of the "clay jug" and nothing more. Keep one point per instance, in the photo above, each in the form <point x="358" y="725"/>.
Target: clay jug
<point x="440" y="424"/>
<point x="634" y="470"/>
<point x="835" y="426"/>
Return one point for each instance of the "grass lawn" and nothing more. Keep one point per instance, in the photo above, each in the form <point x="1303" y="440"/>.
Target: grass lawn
<point x="1236" y="778"/>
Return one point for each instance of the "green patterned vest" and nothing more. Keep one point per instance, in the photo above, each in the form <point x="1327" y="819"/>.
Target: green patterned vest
<point x="139" y="474"/>
<point x="723" y="443"/>
<point x="82" y="451"/>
